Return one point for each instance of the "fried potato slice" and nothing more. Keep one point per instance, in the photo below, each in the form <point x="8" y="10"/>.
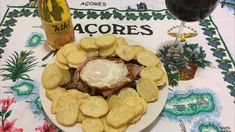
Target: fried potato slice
<point x="147" y="58"/>
<point x="61" y="65"/>
<point x="51" y="76"/>
<point x="70" y="48"/>
<point x="60" y="57"/>
<point x="144" y="104"/>
<point x="105" y="52"/>
<point x="105" y="41"/>
<point x="74" y="92"/>
<point x="137" y="49"/>
<point x="127" y="92"/>
<point x="66" y="77"/>
<point x="88" y="43"/>
<point x="73" y="65"/>
<point x="136" y="106"/>
<point x="92" y="53"/>
<point x="125" y="52"/>
<point x="81" y="116"/>
<point x="54" y="105"/>
<point x="53" y="93"/>
<point x="76" y="57"/>
<point x="121" y="41"/>
<point x="152" y="72"/>
<point x="94" y="106"/>
<point x="162" y="81"/>
<point x="80" y="96"/>
<point x="67" y="112"/>
<point x="108" y="128"/>
<point x="120" y="115"/>
<point x="147" y="89"/>
<point x="92" y="125"/>
<point x="113" y="101"/>
<point x="134" y="103"/>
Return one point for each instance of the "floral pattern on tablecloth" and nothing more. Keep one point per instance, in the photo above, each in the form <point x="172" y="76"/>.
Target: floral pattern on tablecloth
<point x="190" y="107"/>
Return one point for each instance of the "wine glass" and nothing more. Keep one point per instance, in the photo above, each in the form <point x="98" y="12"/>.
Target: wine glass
<point x="189" y="11"/>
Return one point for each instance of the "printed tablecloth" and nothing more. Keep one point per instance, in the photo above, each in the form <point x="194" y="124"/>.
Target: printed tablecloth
<point x="205" y="103"/>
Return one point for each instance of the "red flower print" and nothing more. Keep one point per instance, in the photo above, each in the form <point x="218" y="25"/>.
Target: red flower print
<point x="6" y="103"/>
<point x="9" y="127"/>
<point x="45" y="128"/>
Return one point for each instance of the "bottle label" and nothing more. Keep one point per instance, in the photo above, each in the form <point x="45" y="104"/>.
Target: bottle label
<point x="59" y="33"/>
<point x="58" y="27"/>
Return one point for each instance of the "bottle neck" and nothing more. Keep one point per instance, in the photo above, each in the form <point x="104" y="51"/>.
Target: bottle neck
<point x="53" y="10"/>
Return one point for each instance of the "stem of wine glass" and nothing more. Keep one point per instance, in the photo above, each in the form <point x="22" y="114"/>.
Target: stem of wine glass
<point x="177" y="39"/>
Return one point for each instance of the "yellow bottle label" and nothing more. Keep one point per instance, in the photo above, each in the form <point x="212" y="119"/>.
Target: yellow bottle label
<point x="59" y="33"/>
<point x="57" y="22"/>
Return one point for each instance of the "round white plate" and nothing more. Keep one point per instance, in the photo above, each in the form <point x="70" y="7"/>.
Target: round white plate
<point x="154" y="109"/>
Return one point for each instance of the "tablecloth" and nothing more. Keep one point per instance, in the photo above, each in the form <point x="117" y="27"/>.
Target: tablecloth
<point x="205" y="103"/>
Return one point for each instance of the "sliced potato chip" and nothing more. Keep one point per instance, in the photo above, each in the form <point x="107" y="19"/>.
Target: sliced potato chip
<point x="144" y="104"/>
<point x="137" y="118"/>
<point x="88" y="43"/>
<point x="67" y="112"/>
<point x="94" y="106"/>
<point x="81" y="116"/>
<point x="51" y="76"/>
<point x="137" y="48"/>
<point x="121" y="41"/>
<point x="108" y="128"/>
<point x="61" y="65"/>
<point x="79" y="95"/>
<point x="136" y="106"/>
<point x="152" y="72"/>
<point x="114" y="100"/>
<point x="73" y="65"/>
<point x="92" y="125"/>
<point x="66" y="77"/>
<point x="54" y="105"/>
<point x="92" y="53"/>
<point x="105" y="52"/>
<point x="76" y="93"/>
<point x="53" y="93"/>
<point x="125" y="52"/>
<point x="147" y="58"/>
<point x="82" y="95"/>
<point x="147" y="89"/>
<point x="76" y="57"/>
<point x="106" y="40"/>
<point x="162" y="81"/>
<point x="60" y="57"/>
<point x="127" y="92"/>
<point x="120" y="115"/>
<point x="69" y="48"/>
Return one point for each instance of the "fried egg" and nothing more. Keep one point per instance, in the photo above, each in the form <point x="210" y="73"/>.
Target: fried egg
<point x="104" y="73"/>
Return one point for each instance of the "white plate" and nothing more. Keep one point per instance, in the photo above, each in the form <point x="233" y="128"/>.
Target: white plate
<point x="154" y="109"/>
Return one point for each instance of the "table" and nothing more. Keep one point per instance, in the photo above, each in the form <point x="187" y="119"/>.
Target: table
<point x="212" y="88"/>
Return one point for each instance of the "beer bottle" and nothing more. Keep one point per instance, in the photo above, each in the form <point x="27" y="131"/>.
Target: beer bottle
<point x="57" y="23"/>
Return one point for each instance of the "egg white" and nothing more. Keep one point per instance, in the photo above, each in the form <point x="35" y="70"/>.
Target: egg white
<point x="103" y="73"/>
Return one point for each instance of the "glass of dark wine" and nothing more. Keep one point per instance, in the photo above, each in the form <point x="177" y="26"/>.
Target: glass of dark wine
<point x="190" y="11"/>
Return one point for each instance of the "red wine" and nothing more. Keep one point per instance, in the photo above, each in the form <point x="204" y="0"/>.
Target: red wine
<point x="191" y="10"/>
